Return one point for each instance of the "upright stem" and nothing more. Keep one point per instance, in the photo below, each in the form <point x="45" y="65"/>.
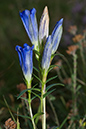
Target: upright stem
<point x="30" y="108"/>
<point x="43" y="102"/>
<point x="74" y="88"/>
<point x="74" y="83"/>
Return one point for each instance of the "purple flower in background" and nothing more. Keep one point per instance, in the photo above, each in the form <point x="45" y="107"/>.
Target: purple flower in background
<point x="77" y="7"/>
<point x="25" y="57"/>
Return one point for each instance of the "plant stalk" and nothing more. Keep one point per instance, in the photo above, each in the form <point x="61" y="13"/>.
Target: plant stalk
<point x="30" y="108"/>
<point x="43" y="102"/>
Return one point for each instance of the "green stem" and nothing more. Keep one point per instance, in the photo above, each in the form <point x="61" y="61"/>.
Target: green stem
<point x="74" y="83"/>
<point x="43" y="102"/>
<point x="74" y="88"/>
<point x="30" y="108"/>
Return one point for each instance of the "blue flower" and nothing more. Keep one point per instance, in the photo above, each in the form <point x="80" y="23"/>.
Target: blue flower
<point x="25" y="57"/>
<point x="47" y="54"/>
<point x="51" y="45"/>
<point x="30" y="23"/>
<point x="56" y="35"/>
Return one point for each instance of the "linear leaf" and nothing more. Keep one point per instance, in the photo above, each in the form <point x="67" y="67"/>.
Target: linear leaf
<point x="38" y="114"/>
<point x="33" y="98"/>
<point x="52" y="85"/>
<point x="25" y="117"/>
<point x="51" y="78"/>
<point x="36" y="95"/>
<point x="9" y="109"/>
<point x="52" y="66"/>
<point x="36" y="89"/>
<point x="35" y="69"/>
<point x="37" y="78"/>
<point x="47" y="93"/>
<point x="23" y="92"/>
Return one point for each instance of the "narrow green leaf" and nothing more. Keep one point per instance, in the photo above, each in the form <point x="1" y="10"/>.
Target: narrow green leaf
<point x="37" y="115"/>
<point x="26" y="91"/>
<point x="33" y="98"/>
<point x="27" y="117"/>
<point x="79" y="87"/>
<point x="51" y="78"/>
<point x="52" y="66"/>
<point x="52" y="85"/>
<point x="63" y="122"/>
<point x="36" y="89"/>
<point x="37" y="78"/>
<point x="23" y="92"/>
<point x="36" y="69"/>
<point x="36" y="95"/>
<point x="9" y="109"/>
<point x="24" y="98"/>
<point x="47" y="93"/>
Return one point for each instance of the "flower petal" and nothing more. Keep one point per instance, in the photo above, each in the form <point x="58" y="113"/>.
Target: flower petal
<point x="30" y="23"/>
<point x="44" y="25"/>
<point x="47" y="54"/>
<point x="56" y="35"/>
<point x="25" y="57"/>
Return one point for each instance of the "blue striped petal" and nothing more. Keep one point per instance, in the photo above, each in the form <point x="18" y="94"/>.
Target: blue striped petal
<point x="47" y="54"/>
<point x="25" y="57"/>
<point x="30" y="23"/>
<point x="56" y="35"/>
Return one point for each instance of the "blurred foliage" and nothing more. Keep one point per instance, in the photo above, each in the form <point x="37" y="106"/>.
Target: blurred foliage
<point x="12" y="33"/>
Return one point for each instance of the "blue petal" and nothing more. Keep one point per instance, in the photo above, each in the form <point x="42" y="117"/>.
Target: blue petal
<point x="19" y="50"/>
<point x="30" y="23"/>
<point x="47" y="54"/>
<point x="56" y="26"/>
<point x="25" y="57"/>
<point x="56" y="36"/>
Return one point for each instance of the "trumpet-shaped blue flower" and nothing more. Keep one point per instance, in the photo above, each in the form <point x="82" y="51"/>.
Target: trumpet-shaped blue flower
<point x="30" y="23"/>
<point x="47" y="54"/>
<point x="25" y="57"/>
<point x="56" y="35"/>
<point x="52" y="45"/>
<point x="52" y="42"/>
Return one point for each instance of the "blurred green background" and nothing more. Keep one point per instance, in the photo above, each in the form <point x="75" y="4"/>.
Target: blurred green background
<point x="12" y="33"/>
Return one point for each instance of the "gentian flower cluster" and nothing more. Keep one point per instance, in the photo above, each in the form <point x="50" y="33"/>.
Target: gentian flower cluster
<point x="52" y="41"/>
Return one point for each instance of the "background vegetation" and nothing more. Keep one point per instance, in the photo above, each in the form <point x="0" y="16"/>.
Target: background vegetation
<point x="12" y="33"/>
